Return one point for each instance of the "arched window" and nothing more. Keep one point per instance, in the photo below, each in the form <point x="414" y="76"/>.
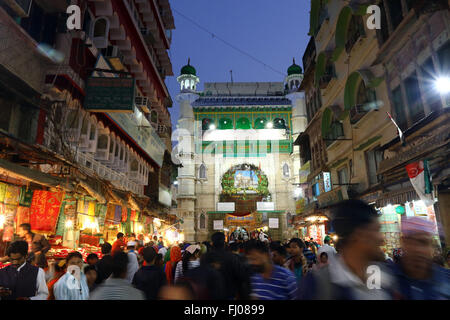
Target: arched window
<point x="202" y="221"/>
<point x="279" y="123"/>
<point x="364" y="95"/>
<point x="260" y="123"/>
<point x="286" y="170"/>
<point x="355" y="31"/>
<point x="225" y="123"/>
<point x="243" y="123"/>
<point x="100" y="27"/>
<point x="202" y="171"/>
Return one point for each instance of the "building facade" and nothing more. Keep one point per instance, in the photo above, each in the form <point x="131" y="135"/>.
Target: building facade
<point x="236" y="154"/>
<point x="355" y="79"/>
<point x="85" y="112"/>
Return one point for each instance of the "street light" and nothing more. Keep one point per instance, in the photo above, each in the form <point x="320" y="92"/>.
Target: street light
<point x="442" y="84"/>
<point x="212" y="127"/>
<point x="269" y="125"/>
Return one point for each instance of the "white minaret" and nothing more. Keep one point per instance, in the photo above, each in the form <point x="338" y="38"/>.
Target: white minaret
<point x="186" y="151"/>
<point x="299" y="117"/>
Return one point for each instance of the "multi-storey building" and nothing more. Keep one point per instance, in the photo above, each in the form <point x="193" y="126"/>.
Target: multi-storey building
<point x="349" y="94"/>
<point x="236" y="154"/>
<point x="89" y="105"/>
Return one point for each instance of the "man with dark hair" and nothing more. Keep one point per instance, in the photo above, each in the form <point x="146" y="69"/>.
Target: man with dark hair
<point x="38" y="245"/>
<point x="119" y="244"/>
<point x="21" y="280"/>
<point x="234" y="272"/>
<point x="73" y="284"/>
<point x="331" y="251"/>
<point x="104" y="266"/>
<point x="278" y="253"/>
<point x="269" y="281"/>
<point x="149" y="278"/>
<point x="346" y="277"/>
<point x="92" y="259"/>
<point x="297" y="262"/>
<point x="117" y="287"/>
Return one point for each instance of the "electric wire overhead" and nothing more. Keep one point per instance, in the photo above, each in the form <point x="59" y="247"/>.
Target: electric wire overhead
<point x="229" y="44"/>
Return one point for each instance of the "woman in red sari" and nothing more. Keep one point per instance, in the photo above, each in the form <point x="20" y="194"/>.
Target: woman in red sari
<point x="175" y="257"/>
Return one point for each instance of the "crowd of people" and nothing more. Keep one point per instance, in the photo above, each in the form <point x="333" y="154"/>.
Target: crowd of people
<point x="353" y="268"/>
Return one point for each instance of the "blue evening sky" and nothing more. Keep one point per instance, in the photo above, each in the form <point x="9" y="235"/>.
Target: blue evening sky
<point x="273" y="31"/>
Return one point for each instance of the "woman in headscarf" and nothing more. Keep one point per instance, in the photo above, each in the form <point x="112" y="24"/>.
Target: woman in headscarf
<point x="175" y="257"/>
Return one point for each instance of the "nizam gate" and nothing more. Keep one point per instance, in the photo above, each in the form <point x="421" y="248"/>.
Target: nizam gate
<point x="239" y="167"/>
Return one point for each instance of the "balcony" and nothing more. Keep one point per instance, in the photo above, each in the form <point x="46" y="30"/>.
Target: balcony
<point x="336" y="132"/>
<point x="357" y="112"/>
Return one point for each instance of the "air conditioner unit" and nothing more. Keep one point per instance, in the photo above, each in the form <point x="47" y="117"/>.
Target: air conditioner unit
<point x="21" y="7"/>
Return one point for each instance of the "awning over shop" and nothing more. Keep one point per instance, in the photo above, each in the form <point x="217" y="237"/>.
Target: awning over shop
<point x="93" y="191"/>
<point x="342" y="26"/>
<point x="397" y="197"/>
<point x="351" y="86"/>
<point x="19" y="172"/>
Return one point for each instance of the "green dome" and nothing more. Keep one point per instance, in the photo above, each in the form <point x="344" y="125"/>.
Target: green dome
<point x="294" y="69"/>
<point x="188" y="69"/>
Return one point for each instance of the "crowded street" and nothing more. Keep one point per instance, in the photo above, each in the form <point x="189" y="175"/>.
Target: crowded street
<point x="233" y="152"/>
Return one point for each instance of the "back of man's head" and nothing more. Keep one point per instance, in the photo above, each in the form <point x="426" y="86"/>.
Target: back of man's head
<point x="119" y="265"/>
<point x="106" y="248"/>
<point x="26" y="227"/>
<point x="18" y="246"/>
<point x="256" y="245"/>
<point x="120" y="235"/>
<point x="350" y="215"/>
<point x="149" y="254"/>
<point x="218" y="240"/>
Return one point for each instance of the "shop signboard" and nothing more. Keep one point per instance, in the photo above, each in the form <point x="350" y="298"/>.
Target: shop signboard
<point x="145" y="137"/>
<point x="332" y="197"/>
<point x="327" y="181"/>
<point x="218" y="224"/>
<point x="265" y="206"/>
<point x="300" y="206"/>
<point x="226" y="206"/>
<point x="304" y="172"/>
<point x="273" y="223"/>
<point x="110" y="94"/>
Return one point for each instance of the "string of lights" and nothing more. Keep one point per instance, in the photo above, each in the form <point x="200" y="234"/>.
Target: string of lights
<point x="228" y="43"/>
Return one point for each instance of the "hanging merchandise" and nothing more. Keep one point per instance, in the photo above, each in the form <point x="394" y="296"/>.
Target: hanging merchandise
<point x="110" y="210"/>
<point x="124" y="214"/>
<point x="26" y="196"/>
<point x="100" y="213"/>
<point x="91" y="208"/>
<point x="400" y="209"/>
<point x="118" y="214"/>
<point x="2" y="191"/>
<point x="45" y="208"/>
<point x="61" y="225"/>
<point x="80" y="206"/>
<point x="12" y="195"/>
<point x="22" y="216"/>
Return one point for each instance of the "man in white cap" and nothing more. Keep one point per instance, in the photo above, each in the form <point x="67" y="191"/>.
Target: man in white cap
<point x="417" y="278"/>
<point x="133" y="264"/>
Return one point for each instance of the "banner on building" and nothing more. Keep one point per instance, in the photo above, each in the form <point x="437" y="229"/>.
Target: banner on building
<point x="226" y="206"/>
<point x="218" y="225"/>
<point x="265" y="206"/>
<point x="304" y="172"/>
<point x="273" y="223"/>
